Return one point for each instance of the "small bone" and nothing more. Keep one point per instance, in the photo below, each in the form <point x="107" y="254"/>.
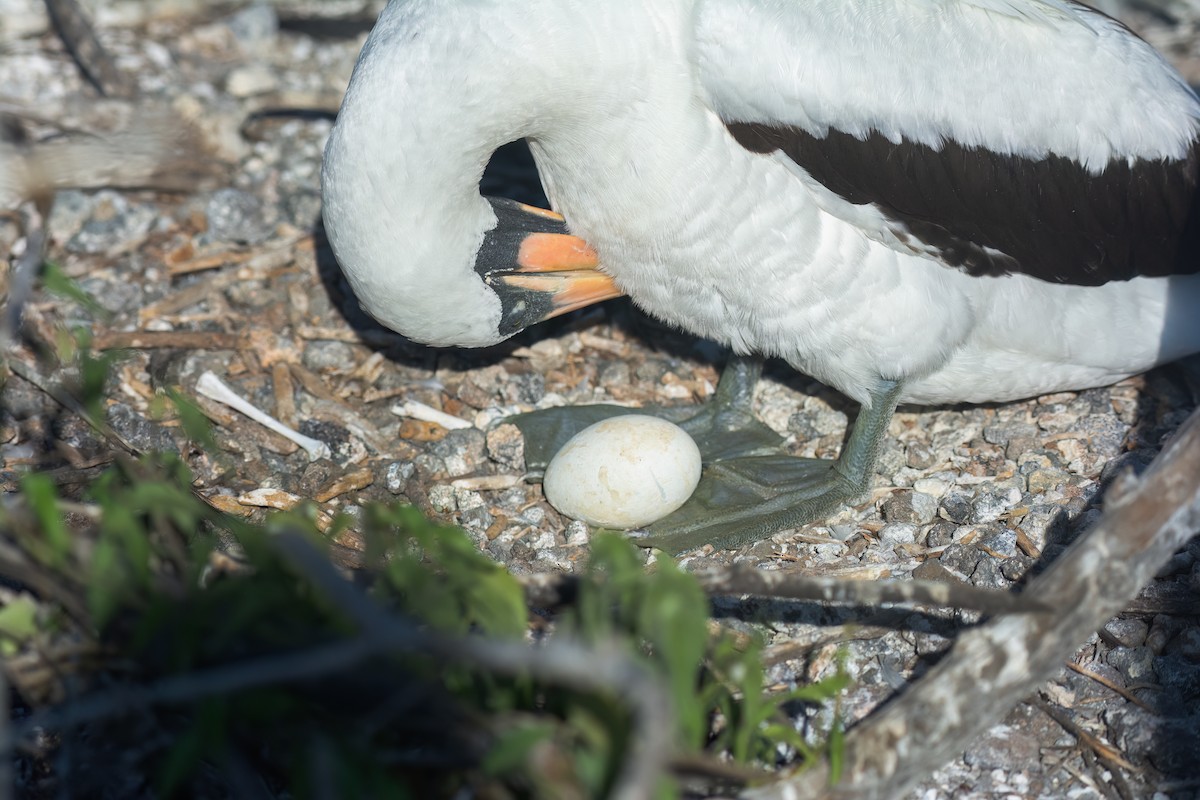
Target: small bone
<point x="487" y="482"/>
<point x="211" y="387"/>
<point x="415" y="410"/>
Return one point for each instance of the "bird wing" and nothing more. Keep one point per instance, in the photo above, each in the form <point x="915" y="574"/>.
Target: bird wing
<point x="999" y="136"/>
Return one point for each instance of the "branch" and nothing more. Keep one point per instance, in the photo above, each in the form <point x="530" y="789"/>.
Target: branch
<point x="993" y="667"/>
<point x="742" y="579"/>
<point x="78" y="33"/>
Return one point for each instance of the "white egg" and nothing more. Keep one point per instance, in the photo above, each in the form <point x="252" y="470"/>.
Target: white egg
<point x="623" y="472"/>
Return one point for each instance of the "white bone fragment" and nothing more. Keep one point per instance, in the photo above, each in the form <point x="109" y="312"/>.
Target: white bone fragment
<point x="213" y="388"/>
<point x="486" y="482"/>
<point x="415" y="410"/>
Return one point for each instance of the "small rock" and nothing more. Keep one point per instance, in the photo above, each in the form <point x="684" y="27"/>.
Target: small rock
<point x="1028" y="462"/>
<point x="1004" y="433"/>
<point x="988" y="507"/>
<point x="477" y="518"/>
<point x="1129" y="632"/>
<point x="514" y="499"/>
<point x="1135" y="663"/>
<point x="955" y="508"/>
<point x="650" y="371"/>
<point x="462" y="451"/>
<point x="1186" y="644"/>
<point x="1162" y="630"/>
<point x="465" y="499"/>
<point x="909" y="506"/>
<point x="322" y="356"/>
<point x="346" y="449"/>
<point x="1105" y="434"/>
<point x="1043" y="480"/>
<point x="1002" y="747"/>
<point x="1134" y="731"/>
<point x="534" y="515"/>
<point x="484" y="387"/>
<point x="138" y="431"/>
<point x="961" y="560"/>
<point x="920" y="455"/>
<point x="1044" y="524"/>
<point x="397" y="476"/>
<point x="987" y="574"/>
<point x="998" y="541"/>
<point x="1016" y="568"/>
<point x="113" y="222"/>
<point x="1177" y="676"/>
<point x="525" y="387"/>
<point x="506" y="446"/>
<point x="898" y="533"/>
<point x="934" y="487"/>
<point x="430" y="465"/>
<point x="577" y="533"/>
<point x="615" y="373"/>
<point x="1055" y="417"/>
<point x="891" y="461"/>
<point x="71" y="209"/>
<point x="1020" y="446"/>
<point x="237" y="216"/>
<point x="251" y="295"/>
<point x="255" y="27"/>
<point x="941" y="534"/>
<point x="548" y="354"/>
<point x="442" y="499"/>
<point x="933" y="570"/>
<point x="251" y="80"/>
<point x="22" y="400"/>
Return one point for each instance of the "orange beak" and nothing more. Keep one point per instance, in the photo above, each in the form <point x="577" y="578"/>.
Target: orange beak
<point x="538" y="269"/>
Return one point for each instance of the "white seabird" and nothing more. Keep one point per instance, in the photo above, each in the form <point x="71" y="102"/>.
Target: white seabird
<point x="919" y="201"/>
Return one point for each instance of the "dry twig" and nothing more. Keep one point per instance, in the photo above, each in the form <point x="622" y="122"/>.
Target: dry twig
<point x="75" y="28"/>
<point x="740" y="580"/>
<point x="993" y="667"/>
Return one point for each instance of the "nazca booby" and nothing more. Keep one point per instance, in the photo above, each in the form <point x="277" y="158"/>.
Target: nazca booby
<point x="918" y="201"/>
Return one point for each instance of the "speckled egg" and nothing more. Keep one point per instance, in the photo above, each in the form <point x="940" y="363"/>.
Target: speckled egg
<point x="623" y="472"/>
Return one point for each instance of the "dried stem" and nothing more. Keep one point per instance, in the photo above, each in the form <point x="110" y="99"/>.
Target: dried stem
<point x="993" y="667"/>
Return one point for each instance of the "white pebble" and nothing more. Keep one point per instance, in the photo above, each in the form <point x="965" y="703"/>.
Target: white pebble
<point x="623" y="472"/>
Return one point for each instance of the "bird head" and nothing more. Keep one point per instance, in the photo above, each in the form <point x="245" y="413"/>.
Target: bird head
<point x="434" y="93"/>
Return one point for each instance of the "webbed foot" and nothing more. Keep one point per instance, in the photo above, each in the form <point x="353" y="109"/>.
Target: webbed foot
<point x="749" y="488"/>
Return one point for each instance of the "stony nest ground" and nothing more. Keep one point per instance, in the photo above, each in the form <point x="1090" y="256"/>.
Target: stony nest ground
<point x="236" y="279"/>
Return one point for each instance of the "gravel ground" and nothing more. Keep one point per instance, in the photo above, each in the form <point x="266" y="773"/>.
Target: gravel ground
<point x="231" y="280"/>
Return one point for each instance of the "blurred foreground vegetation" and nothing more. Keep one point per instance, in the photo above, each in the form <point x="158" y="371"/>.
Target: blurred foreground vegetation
<point x="161" y="648"/>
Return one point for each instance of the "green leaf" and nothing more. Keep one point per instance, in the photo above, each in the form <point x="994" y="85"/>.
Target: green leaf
<point x="56" y="282"/>
<point x="194" y="421"/>
<point x="511" y="750"/>
<point x="18" y="623"/>
<point x="676" y="615"/>
<point x="837" y="750"/>
<point x="42" y="496"/>
<point x="104" y="590"/>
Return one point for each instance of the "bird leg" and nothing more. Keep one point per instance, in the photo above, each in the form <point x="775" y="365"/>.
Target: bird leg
<point x="746" y="497"/>
<point x="749" y="488"/>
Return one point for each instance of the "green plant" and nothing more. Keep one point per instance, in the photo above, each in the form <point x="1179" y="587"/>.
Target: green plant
<point x="406" y="724"/>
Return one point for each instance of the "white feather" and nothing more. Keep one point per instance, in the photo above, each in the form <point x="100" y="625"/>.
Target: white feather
<point x="623" y="104"/>
<point x="1030" y="78"/>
